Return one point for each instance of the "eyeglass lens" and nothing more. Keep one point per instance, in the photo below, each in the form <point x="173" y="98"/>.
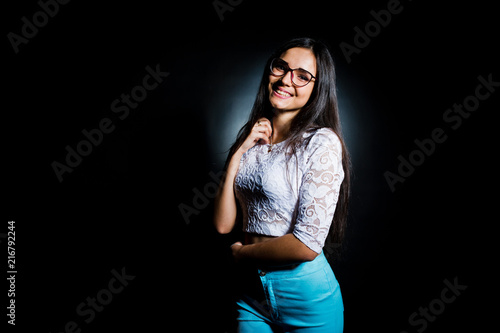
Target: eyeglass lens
<point x="300" y="77"/>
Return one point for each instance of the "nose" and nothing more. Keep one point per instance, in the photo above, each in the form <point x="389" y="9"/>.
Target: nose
<point x="287" y="79"/>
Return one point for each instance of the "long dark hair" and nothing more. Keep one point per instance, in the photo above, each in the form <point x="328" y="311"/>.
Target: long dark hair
<point x="321" y="110"/>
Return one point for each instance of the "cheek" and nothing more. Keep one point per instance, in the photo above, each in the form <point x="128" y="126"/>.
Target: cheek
<point x="272" y="80"/>
<point x="304" y="94"/>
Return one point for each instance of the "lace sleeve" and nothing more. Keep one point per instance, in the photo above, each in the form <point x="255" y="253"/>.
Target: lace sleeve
<point x="319" y="191"/>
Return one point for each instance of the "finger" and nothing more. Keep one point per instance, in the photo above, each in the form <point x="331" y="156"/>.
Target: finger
<point x="263" y="122"/>
<point x="266" y="123"/>
<point x="262" y="138"/>
<point x="263" y="133"/>
<point x="264" y="128"/>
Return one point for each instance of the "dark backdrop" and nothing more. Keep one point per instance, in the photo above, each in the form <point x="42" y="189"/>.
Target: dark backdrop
<point x="139" y="204"/>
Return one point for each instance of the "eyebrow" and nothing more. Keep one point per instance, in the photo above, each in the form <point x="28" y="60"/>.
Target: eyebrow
<point x="297" y="68"/>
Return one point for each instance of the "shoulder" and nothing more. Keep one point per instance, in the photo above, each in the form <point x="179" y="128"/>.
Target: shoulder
<point x="323" y="137"/>
<point x="323" y="150"/>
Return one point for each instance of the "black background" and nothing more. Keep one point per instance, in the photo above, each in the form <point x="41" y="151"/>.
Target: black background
<point x="120" y="207"/>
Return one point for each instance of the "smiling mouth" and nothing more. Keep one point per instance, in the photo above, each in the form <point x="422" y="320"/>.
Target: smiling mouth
<point x="281" y="93"/>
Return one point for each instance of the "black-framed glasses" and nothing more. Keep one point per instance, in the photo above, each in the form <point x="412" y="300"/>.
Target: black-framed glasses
<point x="300" y="77"/>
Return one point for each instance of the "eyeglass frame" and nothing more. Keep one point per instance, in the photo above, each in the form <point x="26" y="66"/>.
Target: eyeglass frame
<point x="288" y="69"/>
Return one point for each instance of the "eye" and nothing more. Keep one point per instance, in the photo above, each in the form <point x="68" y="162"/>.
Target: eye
<point x="279" y="67"/>
<point x="303" y="76"/>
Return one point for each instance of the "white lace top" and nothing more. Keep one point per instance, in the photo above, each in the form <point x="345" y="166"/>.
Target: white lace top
<point x="300" y="199"/>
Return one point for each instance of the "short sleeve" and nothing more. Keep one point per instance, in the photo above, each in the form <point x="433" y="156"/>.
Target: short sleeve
<point x="319" y="190"/>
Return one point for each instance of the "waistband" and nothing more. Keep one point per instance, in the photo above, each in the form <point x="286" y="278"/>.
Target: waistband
<point x="301" y="269"/>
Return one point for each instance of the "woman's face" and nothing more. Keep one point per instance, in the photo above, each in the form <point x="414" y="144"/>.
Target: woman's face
<point x="291" y="97"/>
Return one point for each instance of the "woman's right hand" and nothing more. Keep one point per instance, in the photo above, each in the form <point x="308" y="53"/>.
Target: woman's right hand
<point x="225" y="209"/>
<point x="261" y="132"/>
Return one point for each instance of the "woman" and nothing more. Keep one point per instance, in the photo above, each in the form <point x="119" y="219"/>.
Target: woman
<point x="289" y="171"/>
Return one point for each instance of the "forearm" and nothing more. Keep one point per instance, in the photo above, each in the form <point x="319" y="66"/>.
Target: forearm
<point x="281" y="250"/>
<point x="225" y="201"/>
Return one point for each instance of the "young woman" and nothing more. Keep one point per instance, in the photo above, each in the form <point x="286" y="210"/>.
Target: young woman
<point x="289" y="172"/>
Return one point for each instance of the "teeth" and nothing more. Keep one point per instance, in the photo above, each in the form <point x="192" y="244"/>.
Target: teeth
<point x="282" y="93"/>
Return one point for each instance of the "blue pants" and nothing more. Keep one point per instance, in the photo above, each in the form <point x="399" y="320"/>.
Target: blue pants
<point x="303" y="298"/>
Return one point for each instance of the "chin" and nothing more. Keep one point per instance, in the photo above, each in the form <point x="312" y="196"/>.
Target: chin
<point x="284" y="107"/>
<point x="279" y="103"/>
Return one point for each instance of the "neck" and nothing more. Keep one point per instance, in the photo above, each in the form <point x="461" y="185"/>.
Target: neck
<point x="281" y="124"/>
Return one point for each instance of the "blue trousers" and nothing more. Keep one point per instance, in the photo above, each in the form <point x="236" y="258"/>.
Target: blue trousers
<point x="303" y="298"/>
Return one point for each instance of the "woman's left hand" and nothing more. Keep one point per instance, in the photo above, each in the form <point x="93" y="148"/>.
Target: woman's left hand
<point x="236" y="248"/>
